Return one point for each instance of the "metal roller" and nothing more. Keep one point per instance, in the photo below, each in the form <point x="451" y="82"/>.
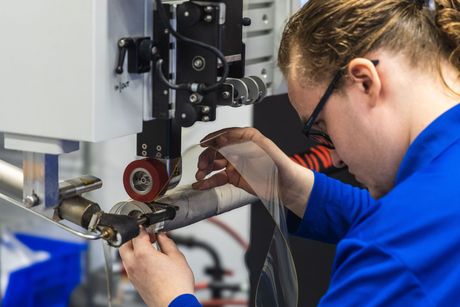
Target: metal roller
<point x="262" y="88"/>
<point x="247" y="90"/>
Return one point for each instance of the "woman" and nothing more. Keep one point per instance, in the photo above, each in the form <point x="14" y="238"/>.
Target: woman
<point x="376" y="81"/>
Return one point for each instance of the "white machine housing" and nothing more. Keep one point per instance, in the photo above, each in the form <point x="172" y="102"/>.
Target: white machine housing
<point x="58" y="60"/>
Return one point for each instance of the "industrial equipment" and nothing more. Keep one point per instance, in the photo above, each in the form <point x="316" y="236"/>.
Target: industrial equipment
<point x="91" y="71"/>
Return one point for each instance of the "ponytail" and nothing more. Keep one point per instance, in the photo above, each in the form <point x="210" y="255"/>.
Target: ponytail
<point x="448" y="21"/>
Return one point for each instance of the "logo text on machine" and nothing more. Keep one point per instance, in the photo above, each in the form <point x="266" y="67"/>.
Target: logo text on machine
<point x="121" y="86"/>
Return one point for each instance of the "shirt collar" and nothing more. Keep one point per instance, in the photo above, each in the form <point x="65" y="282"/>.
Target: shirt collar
<point x="439" y="135"/>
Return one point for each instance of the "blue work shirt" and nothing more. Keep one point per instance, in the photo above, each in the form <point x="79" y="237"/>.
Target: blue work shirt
<point x="403" y="249"/>
<point x="400" y="250"/>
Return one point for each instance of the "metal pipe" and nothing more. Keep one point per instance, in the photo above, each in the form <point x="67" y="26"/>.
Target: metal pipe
<point x="11" y="177"/>
<point x="194" y="206"/>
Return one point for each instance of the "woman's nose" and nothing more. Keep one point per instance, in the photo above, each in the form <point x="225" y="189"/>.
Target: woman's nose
<point x="336" y="160"/>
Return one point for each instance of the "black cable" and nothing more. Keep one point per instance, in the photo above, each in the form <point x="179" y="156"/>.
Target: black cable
<point x="191" y="86"/>
<point x="217" y="271"/>
<point x="165" y="81"/>
<point x="194" y="243"/>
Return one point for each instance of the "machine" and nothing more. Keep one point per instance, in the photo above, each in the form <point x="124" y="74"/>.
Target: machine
<point x="91" y="71"/>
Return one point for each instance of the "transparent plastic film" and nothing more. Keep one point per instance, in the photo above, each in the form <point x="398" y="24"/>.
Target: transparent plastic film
<point x="108" y="268"/>
<point x="251" y="167"/>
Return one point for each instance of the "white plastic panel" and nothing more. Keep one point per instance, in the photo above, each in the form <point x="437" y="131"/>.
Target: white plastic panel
<point x="57" y="68"/>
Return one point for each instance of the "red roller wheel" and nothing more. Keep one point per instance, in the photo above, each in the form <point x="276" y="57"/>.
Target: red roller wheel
<point x="144" y="180"/>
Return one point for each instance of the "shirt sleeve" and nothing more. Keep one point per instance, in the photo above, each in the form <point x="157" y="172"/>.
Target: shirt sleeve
<point x="365" y="274"/>
<point x="185" y="300"/>
<point x="333" y="206"/>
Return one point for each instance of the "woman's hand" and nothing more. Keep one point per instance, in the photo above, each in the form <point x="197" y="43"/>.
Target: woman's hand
<point x="247" y="159"/>
<point x="158" y="276"/>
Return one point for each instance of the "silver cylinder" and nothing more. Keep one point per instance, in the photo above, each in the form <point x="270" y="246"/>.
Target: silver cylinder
<point x="78" y="210"/>
<point x="194" y="206"/>
<point x="11" y="177"/>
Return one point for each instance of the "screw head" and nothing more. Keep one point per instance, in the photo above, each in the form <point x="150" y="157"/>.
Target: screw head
<point x="31" y="201"/>
<point x="144" y="153"/>
<point x="208" y="18"/>
<point x="159" y="148"/>
<point x="206" y="109"/>
<point x="199" y="63"/>
<point x="226" y="95"/>
<point x="166" y="92"/>
<point x="121" y="43"/>
<point x="205" y="118"/>
<point x="246" y="21"/>
<point x="144" y="146"/>
<point x="183" y="116"/>
<point x="154" y="50"/>
<point x="186" y="14"/>
<point x="194" y="98"/>
<point x="208" y="9"/>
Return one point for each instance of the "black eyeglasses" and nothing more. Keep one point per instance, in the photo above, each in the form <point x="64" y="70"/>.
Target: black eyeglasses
<point x="318" y="136"/>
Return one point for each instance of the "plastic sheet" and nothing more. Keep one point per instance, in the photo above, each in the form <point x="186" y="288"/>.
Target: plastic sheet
<point x="277" y="284"/>
<point x="108" y="267"/>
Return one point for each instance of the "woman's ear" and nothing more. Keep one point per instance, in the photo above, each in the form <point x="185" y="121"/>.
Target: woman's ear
<point x="364" y="75"/>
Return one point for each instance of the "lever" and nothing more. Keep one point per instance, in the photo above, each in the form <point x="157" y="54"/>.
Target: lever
<point x="123" y="45"/>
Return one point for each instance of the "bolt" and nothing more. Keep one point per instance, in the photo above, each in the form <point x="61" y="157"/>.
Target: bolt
<point x="158" y="155"/>
<point x="144" y="179"/>
<point x="166" y="31"/>
<point x="199" y="63"/>
<point x="226" y="95"/>
<point x="121" y="43"/>
<point x="246" y="22"/>
<point x="208" y="9"/>
<point x="31" y="201"/>
<point x="166" y="92"/>
<point x="205" y="118"/>
<point x="144" y="146"/>
<point x="144" y="153"/>
<point x="208" y="18"/>
<point x="159" y="148"/>
<point x="154" y="50"/>
<point x="205" y="109"/>
<point x="186" y="13"/>
<point x="194" y="98"/>
<point x="183" y="116"/>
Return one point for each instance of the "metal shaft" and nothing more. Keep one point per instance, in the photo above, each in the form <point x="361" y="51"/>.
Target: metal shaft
<point x="11" y="177"/>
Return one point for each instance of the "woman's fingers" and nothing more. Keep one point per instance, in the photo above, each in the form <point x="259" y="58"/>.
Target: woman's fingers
<point x="127" y="251"/>
<point x="209" y="161"/>
<point x="216" y="180"/>
<point x="167" y="245"/>
<point x="229" y="136"/>
<point x="142" y="244"/>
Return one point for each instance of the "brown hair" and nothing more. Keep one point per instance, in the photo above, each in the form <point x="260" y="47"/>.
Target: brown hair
<point x="327" y="34"/>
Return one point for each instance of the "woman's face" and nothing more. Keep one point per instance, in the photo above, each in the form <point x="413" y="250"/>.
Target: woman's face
<point x="368" y="138"/>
